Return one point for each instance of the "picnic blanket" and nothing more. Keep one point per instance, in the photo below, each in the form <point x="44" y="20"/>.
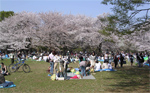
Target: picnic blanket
<point x="102" y="60"/>
<point x="146" y="64"/>
<point x="77" y="69"/>
<point x="105" y="70"/>
<point x="71" y="75"/>
<point x="7" y="84"/>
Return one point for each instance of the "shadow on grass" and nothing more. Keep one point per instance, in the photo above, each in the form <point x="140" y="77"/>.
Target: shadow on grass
<point x="20" y="72"/>
<point x="131" y="79"/>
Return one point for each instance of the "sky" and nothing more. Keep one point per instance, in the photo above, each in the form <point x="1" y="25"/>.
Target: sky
<point x="91" y="8"/>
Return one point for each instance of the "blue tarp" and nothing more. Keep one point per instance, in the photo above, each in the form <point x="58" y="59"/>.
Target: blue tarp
<point x="146" y="64"/>
<point x="6" y="56"/>
<point x="77" y="69"/>
<point x="101" y="60"/>
<point x="105" y="70"/>
<point x="7" y="84"/>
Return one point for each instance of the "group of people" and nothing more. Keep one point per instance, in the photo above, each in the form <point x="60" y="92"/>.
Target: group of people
<point x="63" y="62"/>
<point x="85" y="63"/>
<point x="90" y="62"/>
<point x="121" y="58"/>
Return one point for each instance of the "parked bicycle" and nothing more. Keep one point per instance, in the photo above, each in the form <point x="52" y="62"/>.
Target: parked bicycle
<point x="15" y="66"/>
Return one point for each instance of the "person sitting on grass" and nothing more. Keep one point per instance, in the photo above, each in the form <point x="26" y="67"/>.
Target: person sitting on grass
<point x="105" y="65"/>
<point x="110" y="66"/>
<point x="88" y="66"/>
<point x="4" y="70"/>
<point x="97" y="65"/>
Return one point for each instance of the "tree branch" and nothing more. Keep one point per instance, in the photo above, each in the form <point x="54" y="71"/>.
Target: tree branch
<point x="136" y="12"/>
<point x="146" y="15"/>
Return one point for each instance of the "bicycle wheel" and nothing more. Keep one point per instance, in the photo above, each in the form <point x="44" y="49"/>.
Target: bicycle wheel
<point x="26" y="68"/>
<point x="12" y="67"/>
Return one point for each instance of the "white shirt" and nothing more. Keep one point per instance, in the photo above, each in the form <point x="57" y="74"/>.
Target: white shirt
<point x="123" y="55"/>
<point x="51" y="56"/>
<point x="65" y="61"/>
<point x="105" y="66"/>
<point x="109" y="66"/>
<point x="34" y="57"/>
<point x="11" y="55"/>
<point x="56" y="58"/>
<point x="118" y="56"/>
<point x="106" y="56"/>
<point x="97" y="66"/>
<point x="92" y="57"/>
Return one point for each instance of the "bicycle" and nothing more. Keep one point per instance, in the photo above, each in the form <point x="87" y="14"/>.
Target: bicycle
<point x="15" y="66"/>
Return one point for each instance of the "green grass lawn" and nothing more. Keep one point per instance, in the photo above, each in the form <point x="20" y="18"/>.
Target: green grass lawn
<point x="126" y="79"/>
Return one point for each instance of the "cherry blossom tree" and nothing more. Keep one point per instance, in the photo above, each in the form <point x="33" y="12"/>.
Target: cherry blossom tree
<point x="15" y="30"/>
<point x="51" y="29"/>
<point x="55" y="30"/>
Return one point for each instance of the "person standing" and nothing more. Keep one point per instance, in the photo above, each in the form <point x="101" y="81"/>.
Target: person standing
<point x="65" y="68"/>
<point x="51" y="58"/>
<point x="92" y="59"/>
<point x="116" y="60"/>
<point x="131" y="58"/>
<point x="11" y="55"/>
<point x="121" y="60"/>
<point x="138" y="59"/>
<point x="61" y="67"/>
<point x="56" y="60"/>
<point x="82" y="66"/>
<point x="148" y="61"/>
<point x="2" y="54"/>
<point x="19" y="55"/>
<point x="69" y="58"/>
<point x="141" y="58"/>
<point x="106" y="57"/>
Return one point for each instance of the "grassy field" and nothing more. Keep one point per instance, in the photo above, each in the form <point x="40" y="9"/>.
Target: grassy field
<point x="126" y="79"/>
